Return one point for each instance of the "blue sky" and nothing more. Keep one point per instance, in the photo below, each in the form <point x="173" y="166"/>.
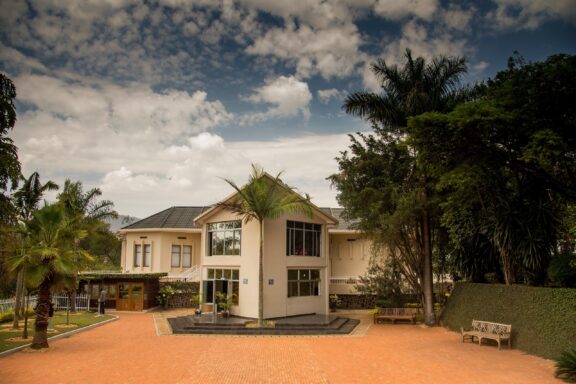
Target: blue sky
<point x="154" y="101"/>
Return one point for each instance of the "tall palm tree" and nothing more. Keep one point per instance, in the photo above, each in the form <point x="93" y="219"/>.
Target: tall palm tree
<point x="415" y="88"/>
<point x="264" y="197"/>
<point x="85" y="204"/>
<point x="86" y="210"/>
<point x="49" y="261"/>
<point x="26" y="200"/>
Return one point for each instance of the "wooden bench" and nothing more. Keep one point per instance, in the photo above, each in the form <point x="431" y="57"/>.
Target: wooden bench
<point x="487" y="330"/>
<point x="394" y="314"/>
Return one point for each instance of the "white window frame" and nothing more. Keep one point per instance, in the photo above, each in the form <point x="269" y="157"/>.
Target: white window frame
<point x="224" y="228"/>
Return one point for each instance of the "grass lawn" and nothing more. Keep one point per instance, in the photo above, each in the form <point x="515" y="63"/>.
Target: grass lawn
<point x="10" y="339"/>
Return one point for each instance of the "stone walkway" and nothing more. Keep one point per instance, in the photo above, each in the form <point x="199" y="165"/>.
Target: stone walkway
<point x="134" y="350"/>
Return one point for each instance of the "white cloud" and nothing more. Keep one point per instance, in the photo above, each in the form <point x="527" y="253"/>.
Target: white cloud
<point x="530" y="14"/>
<point x="145" y="150"/>
<point x="195" y="177"/>
<point x="330" y="52"/>
<point x="288" y="96"/>
<point x="457" y="18"/>
<point x="20" y="61"/>
<point x="325" y="95"/>
<point x="400" y="9"/>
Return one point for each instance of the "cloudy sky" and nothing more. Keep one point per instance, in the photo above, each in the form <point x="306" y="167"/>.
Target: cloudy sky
<point x="153" y="101"/>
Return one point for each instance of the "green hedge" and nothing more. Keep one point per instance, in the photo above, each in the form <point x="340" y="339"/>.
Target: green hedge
<point x="543" y="319"/>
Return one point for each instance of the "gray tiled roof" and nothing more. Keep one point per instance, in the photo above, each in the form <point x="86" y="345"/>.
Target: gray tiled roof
<point x="174" y="217"/>
<point x="183" y="217"/>
<point x="337" y="214"/>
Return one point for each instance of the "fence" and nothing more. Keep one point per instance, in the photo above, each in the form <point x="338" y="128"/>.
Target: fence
<point x="61" y="302"/>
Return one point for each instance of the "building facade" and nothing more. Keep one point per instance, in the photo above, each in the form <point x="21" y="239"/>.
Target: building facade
<point x="306" y="259"/>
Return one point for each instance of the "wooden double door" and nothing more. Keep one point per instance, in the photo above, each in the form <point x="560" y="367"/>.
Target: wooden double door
<point x="130" y="297"/>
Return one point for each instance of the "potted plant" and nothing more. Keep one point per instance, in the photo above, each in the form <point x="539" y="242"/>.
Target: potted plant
<point x="224" y="303"/>
<point x="335" y="302"/>
<point x="196" y="301"/>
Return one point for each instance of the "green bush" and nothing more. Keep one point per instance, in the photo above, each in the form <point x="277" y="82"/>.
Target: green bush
<point x="9" y="316"/>
<point x="566" y="366"/>
<point x="542" y="318"/>
<point x="561" y="270"/>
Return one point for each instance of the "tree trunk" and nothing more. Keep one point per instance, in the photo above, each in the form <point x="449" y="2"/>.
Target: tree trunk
<point x="42" y="316"/>
<point x="72" y="305"/>
<point x="428" y="282"/>
<point x="261" y="278"/>
<point x="507" y="266"/>
<point x="25" y="332"/>
<point x="18" y="298"/>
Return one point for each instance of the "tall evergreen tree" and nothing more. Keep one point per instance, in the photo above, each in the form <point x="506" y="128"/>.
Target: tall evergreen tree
<point x="405" y="211"/>
<point x="508" y="167"/>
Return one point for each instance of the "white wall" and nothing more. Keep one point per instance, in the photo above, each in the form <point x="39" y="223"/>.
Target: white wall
<point x="161" y="249"/>
<point x="276" y="264"/>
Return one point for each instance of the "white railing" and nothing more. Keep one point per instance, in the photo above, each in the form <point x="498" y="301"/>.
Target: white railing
<point x="348" y="280"/>
<point x="8" y="304"/>
<point x="190" y="274"/>
<point x="60" y="301"/>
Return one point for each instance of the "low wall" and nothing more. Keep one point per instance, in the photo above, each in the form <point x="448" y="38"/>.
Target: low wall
<point x="357" y="301"/>
<point x="184" y="291"/>
<point x="543" y="319"/>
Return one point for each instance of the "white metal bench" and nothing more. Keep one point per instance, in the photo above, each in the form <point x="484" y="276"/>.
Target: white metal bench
<point x="487" y="330"/>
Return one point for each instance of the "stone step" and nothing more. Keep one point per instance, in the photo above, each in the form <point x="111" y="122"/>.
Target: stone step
<point x="338" y="326"/>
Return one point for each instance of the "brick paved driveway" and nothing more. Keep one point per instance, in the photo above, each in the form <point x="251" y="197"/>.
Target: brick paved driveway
<point x="130" y="351"/>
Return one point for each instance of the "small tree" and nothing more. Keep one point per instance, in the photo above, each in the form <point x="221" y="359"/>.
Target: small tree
<point x="384" y="280"/>
<point x="49" y="261"/>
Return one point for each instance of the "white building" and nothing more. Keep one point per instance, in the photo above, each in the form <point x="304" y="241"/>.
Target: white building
<point x="305" y="258"/>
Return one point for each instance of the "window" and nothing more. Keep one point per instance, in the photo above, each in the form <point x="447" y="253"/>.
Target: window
<point x="302" y="239"/>
<point x="181" y="256"/>
<point x="147" y="255"/>
<point x="303" y="282"/>
<point x="226" y="281"/>
<point x="186" y="256"/>
<point x="110" y="291"/>
<point x="137" y="255"/>
<point x="224" y="238"/>
<point x="175" y="259"/>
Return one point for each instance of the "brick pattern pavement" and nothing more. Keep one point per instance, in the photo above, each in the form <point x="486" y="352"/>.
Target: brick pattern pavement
<point x="130" y="351"/>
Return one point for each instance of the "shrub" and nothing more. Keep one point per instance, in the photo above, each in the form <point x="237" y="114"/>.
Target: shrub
<point x="542" y="318"/>
<point x="164" y="295"/>
<point x="561" y="270"/>
<point x="566" y="366"/>
<point x="9" y="316"/>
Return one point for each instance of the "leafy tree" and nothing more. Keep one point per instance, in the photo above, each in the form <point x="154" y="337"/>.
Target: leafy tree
<point x="383" y="279"/>
<point x="9" y="163"/>
<point x="86" y="205"/>
<point x="506" y="166"/>
<point x="26" y="200"/>
<point x="263" y="198"/>
<point x="49" y="261"/>
<point x="87" y="212"/>
<point x="9" y="176"/>
<point x="104" y="246"/>
<point x="402" y="210"/>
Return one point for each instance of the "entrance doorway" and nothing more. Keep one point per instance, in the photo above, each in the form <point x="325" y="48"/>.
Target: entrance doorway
<point x="130" y="297"/>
